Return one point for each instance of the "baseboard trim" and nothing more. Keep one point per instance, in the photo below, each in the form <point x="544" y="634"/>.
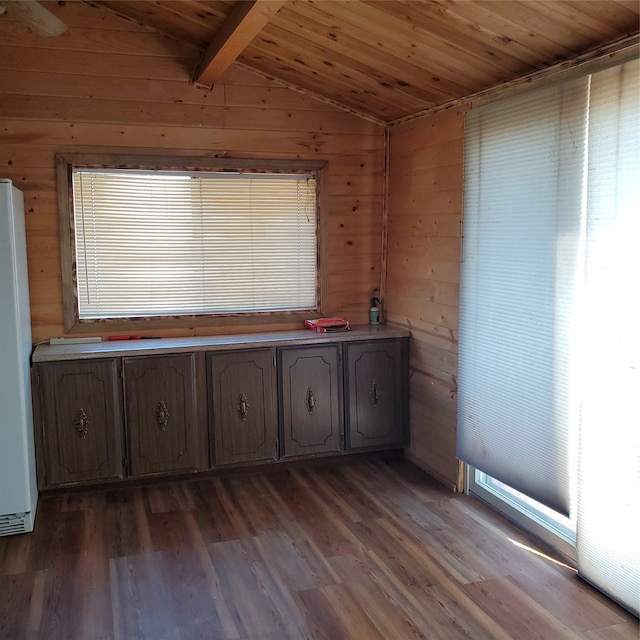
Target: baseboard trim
<point x="452" y="486"/>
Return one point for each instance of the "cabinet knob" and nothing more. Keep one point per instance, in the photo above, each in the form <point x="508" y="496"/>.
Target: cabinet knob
<point x="243" y="407"/>
<point x="162" y="415"/>
<point x="82" y="423"/>
<point x="374" y="394"/>
<point x="310" y="400"/>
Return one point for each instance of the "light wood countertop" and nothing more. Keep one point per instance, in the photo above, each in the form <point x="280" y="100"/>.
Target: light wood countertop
<point x="164" y="346"/>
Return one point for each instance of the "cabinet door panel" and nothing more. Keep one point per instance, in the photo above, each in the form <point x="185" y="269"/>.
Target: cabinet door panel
<point x="163" y="417"/>
<point x="377" y="394"/>
<point x="244" y="415"/>
<point x="311" y="401"/>
<point x="82" y="421"/>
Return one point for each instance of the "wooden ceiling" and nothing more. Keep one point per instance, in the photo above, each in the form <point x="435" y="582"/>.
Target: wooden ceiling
<point x="388" y="59"/>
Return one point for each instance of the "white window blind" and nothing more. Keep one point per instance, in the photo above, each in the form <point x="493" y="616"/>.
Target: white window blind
<point x="522" y="241"/>
<point x="608" y="523"/>
<point x="549" y="354"/>
<point x="177" y="243"/>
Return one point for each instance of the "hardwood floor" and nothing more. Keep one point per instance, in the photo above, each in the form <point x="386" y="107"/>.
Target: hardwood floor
<point x="363" y="549"/>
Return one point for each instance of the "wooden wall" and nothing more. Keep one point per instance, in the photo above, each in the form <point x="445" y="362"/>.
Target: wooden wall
<point x="110" y="84"/>
<point x="423" y="276"/>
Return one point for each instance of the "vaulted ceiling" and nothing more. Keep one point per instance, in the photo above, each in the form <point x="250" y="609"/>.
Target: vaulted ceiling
<point x="386" y="59"/>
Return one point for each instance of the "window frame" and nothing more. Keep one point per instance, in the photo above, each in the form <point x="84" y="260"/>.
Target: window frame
<point x="67" y="162"/>
<point x="552" y="528"/>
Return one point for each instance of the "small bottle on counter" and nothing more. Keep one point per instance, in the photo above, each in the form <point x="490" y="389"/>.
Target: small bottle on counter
<point x="374" y="312"/>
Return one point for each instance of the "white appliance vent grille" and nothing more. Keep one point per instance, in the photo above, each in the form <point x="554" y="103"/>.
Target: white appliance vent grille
<point x="13" y="524"/>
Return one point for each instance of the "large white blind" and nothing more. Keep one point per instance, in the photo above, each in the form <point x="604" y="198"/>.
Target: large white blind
<point x="522" y="241"/>
<point x="608" y="523"/>
<point x="170" y="243"/>
<point x="549" y="362"/>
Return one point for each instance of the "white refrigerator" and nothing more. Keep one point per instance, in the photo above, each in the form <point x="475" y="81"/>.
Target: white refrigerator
<point x="18" y="487"/>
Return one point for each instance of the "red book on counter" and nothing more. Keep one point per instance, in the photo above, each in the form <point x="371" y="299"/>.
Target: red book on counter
<point x="324" y="325"/>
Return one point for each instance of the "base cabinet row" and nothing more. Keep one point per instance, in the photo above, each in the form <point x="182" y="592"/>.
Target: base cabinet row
<point x="112" y="418"/>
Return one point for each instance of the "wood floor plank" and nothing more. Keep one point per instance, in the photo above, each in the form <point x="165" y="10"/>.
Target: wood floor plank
<point x="561" y="598"/>
<point x="63" y="601"/>
<point x="83" y="501"/>
<point x="219" y="519"/>
<point x="337" y="614"/>
<point x="386" y="608"/>
<point x="514" y="610"/>
<point x="125" y="522"/>
<point x="464" y="557"/>
<point x="195" y="589"/>
<point x="93" y="578"/>
<point x="286" y="561"/>
<point x="163" y="498"/>
<point x="360" y="549"/>
<point x="141" y="595"/>
<point x="397" y="554"/>
<point x="441" y="611"/>
<point x="57" y="535"/>
<point x="248" y="595"/>
<point x="321" y="619"/>
<point x="389" y="492"/>
<point x="533" y="568"/>
<point x="624" y="631"/>
<point x="279" y="589"/>
<point x="459" y="616"/>
<point x="21" y="594"/>
<point x="14" y="555"/>
<point x="323" y="526"/>
<point x="339" y="492"/>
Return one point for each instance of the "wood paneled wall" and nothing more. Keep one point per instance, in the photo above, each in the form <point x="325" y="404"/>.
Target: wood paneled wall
<point x="423" y="276"/>
<point x="110" y="84"/>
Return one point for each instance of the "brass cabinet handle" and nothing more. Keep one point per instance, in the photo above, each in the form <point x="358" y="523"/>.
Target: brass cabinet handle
<point x="374" y="394"/>
<point x="243" y="407"/>
<point x="162" y="415"/>
<point x="82" y="423"/>
<point x="310" y="400"/>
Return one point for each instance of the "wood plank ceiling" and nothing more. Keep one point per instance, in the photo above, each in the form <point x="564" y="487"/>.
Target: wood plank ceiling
<point x="389" y="59"/>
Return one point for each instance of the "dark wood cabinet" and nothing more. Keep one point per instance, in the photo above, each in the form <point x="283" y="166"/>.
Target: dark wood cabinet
<point x="164" y="416"/>
<point x="376" y="392"/>
<point x="130" y="409"/>
<point x="81" y="422"/>
<point x="242" y="397"/>
<point x="310" y="400"/>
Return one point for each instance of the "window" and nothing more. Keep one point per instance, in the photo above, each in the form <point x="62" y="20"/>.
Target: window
<point x="549" y="352"/>
<point x="555" y="529"/>
<point x="164" y="243"/>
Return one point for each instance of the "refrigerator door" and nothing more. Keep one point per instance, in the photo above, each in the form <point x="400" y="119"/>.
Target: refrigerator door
<point x="18" y="487"/>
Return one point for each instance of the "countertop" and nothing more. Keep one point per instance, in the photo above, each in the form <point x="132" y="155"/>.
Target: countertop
<point x="164" y="346"/>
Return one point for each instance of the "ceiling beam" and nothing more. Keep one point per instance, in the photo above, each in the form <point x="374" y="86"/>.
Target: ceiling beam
<point x="245" y="20"/>
<point x="35" y="16"/>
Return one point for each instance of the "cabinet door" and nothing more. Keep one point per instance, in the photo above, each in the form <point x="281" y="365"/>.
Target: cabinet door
<point x="377" y="393"/>
<point x="310" y="400"/>
<point x="164" y="419"/>
<point x="81" y="421"/>
<point x="243" y="401"/>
